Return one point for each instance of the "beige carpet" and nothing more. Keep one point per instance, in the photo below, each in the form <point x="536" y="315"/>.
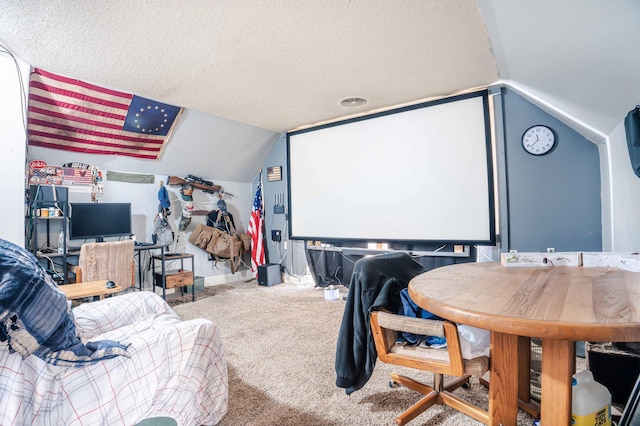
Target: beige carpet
<point x="280" y="344"/>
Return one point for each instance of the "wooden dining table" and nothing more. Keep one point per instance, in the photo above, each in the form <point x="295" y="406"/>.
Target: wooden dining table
<point x="558" y="304"/>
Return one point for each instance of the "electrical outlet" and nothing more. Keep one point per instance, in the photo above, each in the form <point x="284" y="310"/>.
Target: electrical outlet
<point x="276" y="235"/>
<point x="550" y="250"/>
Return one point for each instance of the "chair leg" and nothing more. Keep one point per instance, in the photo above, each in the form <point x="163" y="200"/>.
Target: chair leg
<point x="438" y="394"/>
<point x="410" y="383"/>
<point x="455" y="384"/>
<point x="465" y="407"/>
<point x="432" y="396"/>
<point x="418" y="408"/>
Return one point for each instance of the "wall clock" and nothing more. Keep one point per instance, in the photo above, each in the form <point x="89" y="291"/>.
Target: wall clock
<point x="538" y="140"/>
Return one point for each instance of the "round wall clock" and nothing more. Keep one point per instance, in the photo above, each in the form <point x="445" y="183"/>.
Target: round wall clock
<point x="538" y="140"/>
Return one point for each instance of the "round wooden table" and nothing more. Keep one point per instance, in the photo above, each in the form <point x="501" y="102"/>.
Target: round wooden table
<point x="559" y="304"/>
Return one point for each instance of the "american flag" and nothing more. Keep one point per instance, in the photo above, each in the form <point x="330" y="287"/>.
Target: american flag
<point x="256" y="230"/>
<point x="69" y="114"/>
<point x="75" y="176"/>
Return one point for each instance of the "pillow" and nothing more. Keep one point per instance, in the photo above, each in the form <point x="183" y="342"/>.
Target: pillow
<point x="34" y="317"/>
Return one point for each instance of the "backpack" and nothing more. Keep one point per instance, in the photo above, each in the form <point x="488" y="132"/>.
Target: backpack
<point x="162" y="232"/>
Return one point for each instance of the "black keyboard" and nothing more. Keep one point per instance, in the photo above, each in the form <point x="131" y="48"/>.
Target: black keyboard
<point x="142" y="244"/>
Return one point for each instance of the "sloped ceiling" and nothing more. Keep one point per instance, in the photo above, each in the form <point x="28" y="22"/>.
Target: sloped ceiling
<point x="266" y="67"/>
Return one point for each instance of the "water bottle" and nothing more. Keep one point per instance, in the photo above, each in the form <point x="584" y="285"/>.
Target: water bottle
<point x="61" y="242"/>
<point x="590" y="402"/>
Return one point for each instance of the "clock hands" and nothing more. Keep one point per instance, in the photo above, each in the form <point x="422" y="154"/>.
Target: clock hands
<point x="537" y="140"/>
<point x="543" y="142"/>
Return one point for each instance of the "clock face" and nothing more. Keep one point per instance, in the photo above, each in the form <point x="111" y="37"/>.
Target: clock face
<point x="538" y="140"/>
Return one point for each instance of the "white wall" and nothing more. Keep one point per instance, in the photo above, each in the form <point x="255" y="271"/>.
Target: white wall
<point x="143" y="197"/>
<point x="13" y="150"/>
<point x="620" y="187"/>
<point x="144" y="207"/>
<point x="621" y="195"/>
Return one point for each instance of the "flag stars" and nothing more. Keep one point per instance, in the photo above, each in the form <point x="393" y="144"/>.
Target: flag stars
<point x="149" y="117"/>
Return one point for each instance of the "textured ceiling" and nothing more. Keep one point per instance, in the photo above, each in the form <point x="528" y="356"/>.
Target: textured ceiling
<point x="276" y="64"/>
<point x="265" y="67"/>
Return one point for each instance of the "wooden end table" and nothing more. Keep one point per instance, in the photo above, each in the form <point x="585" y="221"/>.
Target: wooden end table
<point x="88" y="289"/>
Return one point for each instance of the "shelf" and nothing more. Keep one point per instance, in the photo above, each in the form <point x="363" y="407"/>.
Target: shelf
<point x="177" y="278"/>
<point x="174" y="278"/>
<point x="49" y="228"/>
<point x="46" y="217"/>
<point x="173" y="256"/>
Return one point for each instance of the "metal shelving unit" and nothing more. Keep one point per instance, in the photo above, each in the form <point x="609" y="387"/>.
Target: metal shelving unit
<point x="53" y="224"/>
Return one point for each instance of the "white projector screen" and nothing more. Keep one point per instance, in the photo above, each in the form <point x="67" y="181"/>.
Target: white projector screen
<point x="421" y="174"/>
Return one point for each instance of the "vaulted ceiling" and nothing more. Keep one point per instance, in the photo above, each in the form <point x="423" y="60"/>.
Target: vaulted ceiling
<point x="265" y="67"/>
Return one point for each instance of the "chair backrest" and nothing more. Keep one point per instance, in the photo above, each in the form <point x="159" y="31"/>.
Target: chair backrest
<point x="112" y="260"/>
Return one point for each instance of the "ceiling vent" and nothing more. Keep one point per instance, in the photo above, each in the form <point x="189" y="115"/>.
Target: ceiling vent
<point x="353" y="102"/>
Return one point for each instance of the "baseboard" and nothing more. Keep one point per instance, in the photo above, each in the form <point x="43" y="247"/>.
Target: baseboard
<point x="244" y="275"/>
<point x="247" y="275"/>
<point x="306" y="279"/>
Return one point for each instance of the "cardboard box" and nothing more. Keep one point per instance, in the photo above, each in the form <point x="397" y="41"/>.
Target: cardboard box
<point x="595" y="259"/>
<point x="630" y="262"/>
<point x="540" y="259"/>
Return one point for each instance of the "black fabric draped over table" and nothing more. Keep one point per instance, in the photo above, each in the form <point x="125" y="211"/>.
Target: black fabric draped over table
<point x="334" y="265"/>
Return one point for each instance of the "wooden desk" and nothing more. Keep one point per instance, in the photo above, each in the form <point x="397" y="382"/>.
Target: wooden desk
<point x="88" y="289"/>
<point x="560" y="305"/>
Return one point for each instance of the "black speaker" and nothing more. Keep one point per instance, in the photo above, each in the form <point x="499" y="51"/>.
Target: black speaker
<point x="269" y="274"/>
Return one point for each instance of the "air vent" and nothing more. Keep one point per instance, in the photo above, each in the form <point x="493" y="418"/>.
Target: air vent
<point x="353" y="102"/>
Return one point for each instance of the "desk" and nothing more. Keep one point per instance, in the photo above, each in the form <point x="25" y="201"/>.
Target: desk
<point x="88" y="289"/>
<point x="560" y="305"/>
<point x="138" y="249"/>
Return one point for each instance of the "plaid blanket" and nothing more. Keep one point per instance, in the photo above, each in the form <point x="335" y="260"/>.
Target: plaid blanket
<point x="172" y="368"/>
<point x="175" y="369"/>
<point x="34" y="317"/>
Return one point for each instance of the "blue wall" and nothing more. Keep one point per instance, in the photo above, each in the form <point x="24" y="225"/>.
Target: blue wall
<point x="552" y="200"/>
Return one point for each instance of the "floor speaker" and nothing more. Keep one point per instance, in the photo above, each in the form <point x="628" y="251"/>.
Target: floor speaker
<point x="269" y="274"/>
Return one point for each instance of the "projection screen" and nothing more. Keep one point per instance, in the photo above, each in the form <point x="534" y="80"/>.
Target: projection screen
<point x="417" y="174"/>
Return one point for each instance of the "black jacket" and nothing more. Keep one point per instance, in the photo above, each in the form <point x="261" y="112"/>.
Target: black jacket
<point x="375" y="284"/>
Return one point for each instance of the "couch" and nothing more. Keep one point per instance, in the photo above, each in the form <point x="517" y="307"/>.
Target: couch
<point x="113" y="362"/>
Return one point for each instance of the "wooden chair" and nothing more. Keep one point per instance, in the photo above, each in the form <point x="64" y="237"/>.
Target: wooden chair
<point x="112" y="260"/>
<point x="386" y="327"/>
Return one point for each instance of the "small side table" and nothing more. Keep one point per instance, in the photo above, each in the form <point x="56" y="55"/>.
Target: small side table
<point x="88" y="289"/>
<point x="175" y="277"/>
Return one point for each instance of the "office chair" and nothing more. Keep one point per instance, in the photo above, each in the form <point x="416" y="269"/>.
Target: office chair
<point x="386" y="327"/>
<point x="111" y="260"/>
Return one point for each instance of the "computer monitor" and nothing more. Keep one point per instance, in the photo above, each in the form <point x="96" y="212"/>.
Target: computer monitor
<point x="99" y="220"/>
